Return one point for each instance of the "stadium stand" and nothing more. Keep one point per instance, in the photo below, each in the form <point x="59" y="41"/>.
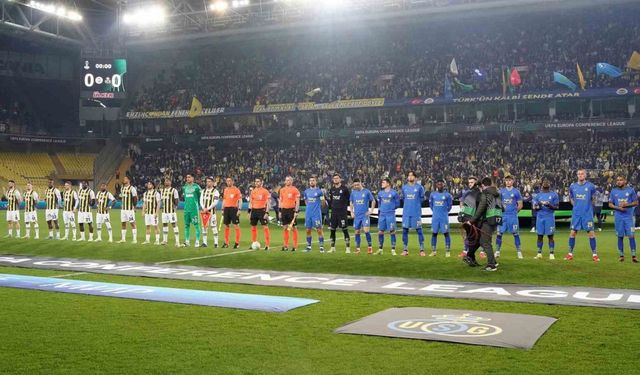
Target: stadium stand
<point x="27" y="167"/>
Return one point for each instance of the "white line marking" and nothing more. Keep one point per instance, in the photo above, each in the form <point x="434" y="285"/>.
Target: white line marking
<point x="70" y="274"/>
<point x="205" y="257"/>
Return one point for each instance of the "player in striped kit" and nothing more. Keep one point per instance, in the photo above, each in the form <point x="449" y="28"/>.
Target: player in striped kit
<point x="129" y="198"/>
<point x="170" y="200"/>
<point x="13" y="214"/>
<point x="104" y="202"/>
<point x="52" y="199"/>
<point x="86" y="199"/>
<point x="151" y="206"/>
<point x="30" y="214"/>
<point x="208" y="201"/>
<point x="70" y="205"/>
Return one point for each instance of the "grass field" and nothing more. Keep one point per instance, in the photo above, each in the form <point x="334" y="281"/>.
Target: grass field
<point x="45" y="332"/>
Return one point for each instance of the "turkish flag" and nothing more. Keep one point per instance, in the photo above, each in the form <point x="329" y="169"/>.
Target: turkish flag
<point x="515" y="78"/>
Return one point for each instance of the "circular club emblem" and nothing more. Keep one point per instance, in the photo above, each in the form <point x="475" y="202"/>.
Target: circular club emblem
<point x="451" y="327"/>
<point x="636" y="91"/>
<point x="428" y="101"/>
<point x="622" y="91"/>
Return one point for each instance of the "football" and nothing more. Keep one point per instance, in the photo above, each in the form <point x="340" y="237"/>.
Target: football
<point x="255" y="245"/>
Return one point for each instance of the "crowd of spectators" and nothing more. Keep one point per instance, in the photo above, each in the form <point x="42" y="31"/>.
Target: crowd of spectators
<point x="401" y="61"/>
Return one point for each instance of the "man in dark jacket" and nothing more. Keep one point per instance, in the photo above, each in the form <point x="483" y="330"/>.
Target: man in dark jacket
<point x="483" y="223"/>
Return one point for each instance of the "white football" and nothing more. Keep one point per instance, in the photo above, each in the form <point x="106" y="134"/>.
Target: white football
<point x="255" y="246"/>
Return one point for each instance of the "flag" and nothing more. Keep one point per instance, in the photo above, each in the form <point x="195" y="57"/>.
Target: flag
<point x="463" y="86"/>
<point x="206" y="216"/>
<point x="509" y="80"/>
<point x="504" y="84"/>
<point x="561" y="79"/>
<point x="581" y="80"/>
<point x="447" y="87"/>
<point x="634" y="61"/>
<point x="608" y="69"/>
<point x="196" y="108"/>
<point x="311" y="93"/>
<point x="515" y="79"/>
<point x="453" y="67"/>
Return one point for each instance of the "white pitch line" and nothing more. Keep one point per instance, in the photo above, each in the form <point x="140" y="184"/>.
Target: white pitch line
<point x="70" y="274"/>
<point x="205" y="257"/>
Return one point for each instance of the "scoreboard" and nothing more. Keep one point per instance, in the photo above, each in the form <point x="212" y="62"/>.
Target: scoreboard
<point x="104" y="78"/>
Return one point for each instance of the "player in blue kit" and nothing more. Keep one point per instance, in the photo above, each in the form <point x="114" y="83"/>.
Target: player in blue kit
<point x="314" y="200"/>
<point x="546" y="203"/>
<point x="582" y="195"/>
<point x="440" y="202"/>
<point x="388" y="201"/>
<point x="412" y="195"/>
<point x="623" y="199"/>
<point x="362" y="205"/>
<point x="512" y="202"/>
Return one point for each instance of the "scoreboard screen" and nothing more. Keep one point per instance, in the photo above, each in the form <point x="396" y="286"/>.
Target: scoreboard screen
<point x="104" y="77"/>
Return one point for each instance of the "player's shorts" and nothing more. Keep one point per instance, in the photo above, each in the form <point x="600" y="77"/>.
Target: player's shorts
<point x="624" y="226"/>
<point x="51" y="214"/>
<point x="338" y="220"/>
<point x="127" y="216"/>
<point x="579" y="223"/>
<point x="313" y="221"/>
<point x="171" y="218"/>
<point x="102" y="219"/>
<point x="30" y="217"/>
<point x="85" y="217"/>
<point x="411" y="222"/>
<point x="440" y="224"/>
<point x="230" y="216"/>
<point x="509" y="224"/>
<point x="150" y="219"/>
<point x="13" y="216"/>
<point x="387" y="222"/>
<point x="68" y="217"/>
<point x="286" y="216"/>
<point x="545" y="226"/>
<point x="258" y="215"/>
<point x="361" y="222"/>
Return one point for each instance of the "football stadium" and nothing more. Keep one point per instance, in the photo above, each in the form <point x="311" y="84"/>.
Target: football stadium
<point x="319" y="186"/>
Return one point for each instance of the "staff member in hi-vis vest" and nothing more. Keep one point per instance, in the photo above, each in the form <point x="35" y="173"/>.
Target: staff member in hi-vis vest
<point x="170" y="199"/>
<point x="151" y="206"/>
<point x="208" y="201"/>
<point x="86" y="198"/>
<point x="13" y="214"/>
<point x="70" y="206"/>
<point x="30" y="214"/>
<point x="52" y="199"/>
<point x="129" y="198"/>
<point x="104" y="202"/>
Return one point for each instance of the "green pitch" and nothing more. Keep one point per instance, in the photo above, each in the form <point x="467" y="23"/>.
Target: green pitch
<point x="48" y="333"/>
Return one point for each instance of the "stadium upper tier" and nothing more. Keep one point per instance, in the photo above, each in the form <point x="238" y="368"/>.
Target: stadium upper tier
<point x="399" y="61"/>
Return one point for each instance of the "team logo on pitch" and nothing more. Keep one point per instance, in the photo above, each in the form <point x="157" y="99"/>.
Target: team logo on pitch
<point x="465" y="325"/>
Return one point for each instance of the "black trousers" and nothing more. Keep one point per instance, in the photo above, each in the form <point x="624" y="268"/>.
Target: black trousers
<point x="482" y="238"/>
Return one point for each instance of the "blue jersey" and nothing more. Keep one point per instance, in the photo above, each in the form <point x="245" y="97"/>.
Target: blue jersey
<point x="313" y="198"/>
<point x="361" y="200"/>
<point x="413" y="196"/>
<point x="619" y="196"/>
<point x="440" y="204"/>
<point x="546" y="198"/>
<point x="388" y="201"/>
<point x="582" y="195"/>
<point x="510" y="199"/>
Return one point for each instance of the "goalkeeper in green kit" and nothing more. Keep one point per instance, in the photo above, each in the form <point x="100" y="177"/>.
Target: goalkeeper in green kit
<point x="191" y="193"/>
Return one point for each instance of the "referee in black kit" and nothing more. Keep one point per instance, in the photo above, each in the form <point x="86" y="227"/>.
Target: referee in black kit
<point x="339" y="196"/>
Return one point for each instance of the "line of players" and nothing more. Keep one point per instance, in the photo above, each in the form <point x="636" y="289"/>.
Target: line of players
<point x="359" y="203"/>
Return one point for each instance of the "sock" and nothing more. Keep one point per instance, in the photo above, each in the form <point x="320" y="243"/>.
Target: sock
<point x="10" y="231"/>
<point x="332" y="236"/>
<point x="592" y="244"/>
<point x="156" y="235"/>
<point x="28" y="229"/>
<point x="295" y="237"/>
<point x="123" y="233"/>
<point x="198" y="231"/>
<point x="50" y="233"/>
<point x="227" y="231"/>
<point x="100" y="232"/>
<point x="165" y="233"/>
<point x="309" y="241"/>
<point x="498" y="242"/>
<point x="109" y="231"/>
<point x="420" y="238"/>
<point x="267" y="236"/>
<point x="36" y="231"/>
<point x="134" y="232"/>
<point x="380" y="240"/>
<point x="621" y="246"/>
<point x="632" y="245"/>
<point x="215" y="237"/>
<point x="539" y="243"/>
<point x="434" y="241"/>
<point x="176" y="233"/>
<point x="187" y="233"/>
<point x="447" y="241"/>
<point x="572" y="244"/>
<point x="82" y="235"/>
<point x="393" y="240"/>
<point x="90" y="236"/>
<point x="405" y="238"/>
<point x="552" y="246"/>
<point x="347" y="239"/>
<point x="321" y="241"/>
<point x="466" y="245"/>
<point x="516" y="237"/>
<point x="236" y="230"/>
<point x="286" y="238"/>
<point x="367" y="235"/>
<point x="358" y="240"/>
<point x="254" y="234"/>
<point x="18" y="232"/>
<point x="147" y="237"/>
<point x="204" y="238"/>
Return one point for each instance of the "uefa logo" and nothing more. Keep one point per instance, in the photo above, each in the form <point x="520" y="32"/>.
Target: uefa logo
<point x="622" y="91"/>
<point x="465" y="325"/>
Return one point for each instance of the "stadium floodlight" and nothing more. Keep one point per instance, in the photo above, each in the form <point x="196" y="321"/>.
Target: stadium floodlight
<point x="219" y="6"/>
<point x="58" y="10"/>
<point x="239" y="3"/>
<point x="153" y="15"/>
